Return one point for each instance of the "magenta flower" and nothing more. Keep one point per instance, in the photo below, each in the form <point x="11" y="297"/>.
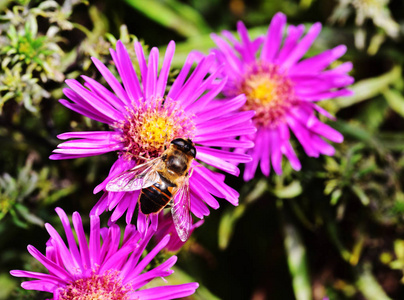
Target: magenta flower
<point x="282" y="89"/>
<point x="144" y="119"/>
<point x="166" y="227"/>
<point x="100" y="268"/>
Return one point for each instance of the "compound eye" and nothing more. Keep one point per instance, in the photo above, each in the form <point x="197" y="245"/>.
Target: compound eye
<point x="193" y="152"/>
<point x="178" y="142"/>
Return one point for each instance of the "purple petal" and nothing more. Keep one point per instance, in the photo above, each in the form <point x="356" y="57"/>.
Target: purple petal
<point x="120" y="208"/>
<point x="293" y="35"/>
<point x="195" y="80"/>
<point x="227" y="121"/>
<point x="36" y="275"/>
<point x="111" y="80"/>
<point x="215" y="187"/>
<point x="274" y="37"/>
<point x="39" y="285"/>
<point x="217" y="162"/>
<point x="220" y="108"/>
<point x="142" y="61"/>
<point x="147" y="259"/>
<point x="229" y="143"/>
<point x="248" y="53"/>
<point x="103" y="92"/>
<point x="179" y="81"/>
<point x="69" y="236"/>
<point x="319" y="62"/>
<point x="94" y="244"/>
<point x="202" y="193"/>
<point x="303" y="136"/>
<point x="304" y="45"/>
<point x="162" y="80"/>
<point x="232" y="61"/>
<point x="94" y="101"/>
<point x="51" y="266"/>
<point x="81" y="237"/>
<point x="167" y="292"/>
<point x="276" y="155"/>
<point x="264" y="136"/>
<point x="92" y="114"/>
<point x="287" y="150"/>
<point x="87" y="152"/>
<point x="151" y="80"/>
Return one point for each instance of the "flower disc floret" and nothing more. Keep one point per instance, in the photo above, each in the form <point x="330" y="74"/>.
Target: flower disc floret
<point x="269" y="93"/>
<point x="96" y="287"/>
<point x="148" y="129"/>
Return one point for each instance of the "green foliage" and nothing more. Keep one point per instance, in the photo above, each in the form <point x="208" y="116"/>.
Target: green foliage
<point x="24" y="50"/>
<point x="376" y="11"/>
<point x="27" y="189"/>
<point x="173" y="14"/>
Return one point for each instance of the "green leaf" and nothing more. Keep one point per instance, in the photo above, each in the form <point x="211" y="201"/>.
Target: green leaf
<point x="333" y="234"/>
<point x="7" y="285"/>
<point x="392" y="140"/>
<point x="58" y="194"/>
<point x="25" y="213"/>
<point x="17" y="220"/>
<point x="228" y="223"/>
<point x="395" y="100"/>
<point x="355" y="131"/>
<point x="399" y="249"/>
<point x="335" y="196"/>
<point x="292" y="190"/>
<point x="369" y="286"/>
<point x="373" y="114"/>
<point x="172" y="14"/>
<point x="360" y="194"/>
<point x="297" y="262"/>
<point x="369" y="88"/>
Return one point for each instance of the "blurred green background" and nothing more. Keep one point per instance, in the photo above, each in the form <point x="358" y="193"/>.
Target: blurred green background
<point x="334" y="229"/>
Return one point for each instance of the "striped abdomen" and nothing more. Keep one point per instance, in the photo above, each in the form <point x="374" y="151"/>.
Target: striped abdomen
<point x="154" y="198"/>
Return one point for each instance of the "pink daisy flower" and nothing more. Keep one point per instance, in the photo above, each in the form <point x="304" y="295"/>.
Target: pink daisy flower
<point x="100" y="268"/>
<point x="145" y="115"/>
<point x="282" y="88"/>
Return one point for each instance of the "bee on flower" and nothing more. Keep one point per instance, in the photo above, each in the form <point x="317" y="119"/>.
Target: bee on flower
<point x="148" y="118"/>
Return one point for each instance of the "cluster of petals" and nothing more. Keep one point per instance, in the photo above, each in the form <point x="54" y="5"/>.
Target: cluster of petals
<point x="216" y="124"/>
<point x="300" y="83"/>
<point x="105" y="266"/>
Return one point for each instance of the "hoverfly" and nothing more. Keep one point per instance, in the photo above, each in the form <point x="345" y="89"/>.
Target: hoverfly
<point x="163" y="181"/>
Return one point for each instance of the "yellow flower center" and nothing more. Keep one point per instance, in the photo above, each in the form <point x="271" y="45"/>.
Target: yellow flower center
<point x="268" y="91"/>
<point x="156" y="131"/>
<point x="260" y="88"/>
<point x="150" y="127"/>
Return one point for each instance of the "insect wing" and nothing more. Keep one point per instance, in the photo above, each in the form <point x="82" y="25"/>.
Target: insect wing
<point x="180" y="211"/>
<point x="139" y="177"/>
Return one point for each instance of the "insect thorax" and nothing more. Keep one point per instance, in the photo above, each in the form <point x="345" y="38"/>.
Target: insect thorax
<point x="178" y="163"/>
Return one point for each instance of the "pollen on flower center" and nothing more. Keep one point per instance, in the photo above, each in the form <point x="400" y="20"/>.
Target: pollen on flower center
<point x="96" y="287"/>
<point x="269" y="92"/>
<point x="150" y="127"/>
<point x="155" y="130"/>
<point x="260" y="88"/>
